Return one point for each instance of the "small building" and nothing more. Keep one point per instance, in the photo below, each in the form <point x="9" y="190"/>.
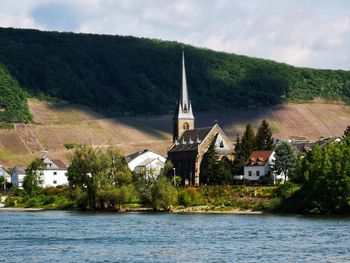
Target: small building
<point x="5" y="174"/>
<point x="146" y="162"/>
<point x="54" y="173"/>
<point x="18" y="175"/>
<point x="259" y="165"/>
<point x="302" y="146"/>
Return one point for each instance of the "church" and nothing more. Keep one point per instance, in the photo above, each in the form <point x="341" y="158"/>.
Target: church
<point x="189" y="143"/>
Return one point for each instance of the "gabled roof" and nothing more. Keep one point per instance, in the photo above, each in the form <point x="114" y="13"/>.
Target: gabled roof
<point x="53" y="164"/>
<point x="146" y="162"/>
<point x="190" y="140"/>
<point x="258" y="158"/>
<point x="132" y="156"/>
<point x="20" y="169"/>
<point x="60" y="164"/>
<point x="4" y="172"/>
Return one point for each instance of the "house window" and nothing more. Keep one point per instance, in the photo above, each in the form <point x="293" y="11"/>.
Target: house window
<point x="258" y="173"/>
<point x="54" y="173"/>
<point x="54" y="181"/>
<point x="250" y="173"/>
<point x="186" y="126"/>
<point x="221" y="144"/>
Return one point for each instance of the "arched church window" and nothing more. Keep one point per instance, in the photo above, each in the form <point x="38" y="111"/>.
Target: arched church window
<point x="186" y="126"/>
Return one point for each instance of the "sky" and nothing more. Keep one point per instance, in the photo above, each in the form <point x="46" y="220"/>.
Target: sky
<point x="307" y="33"/>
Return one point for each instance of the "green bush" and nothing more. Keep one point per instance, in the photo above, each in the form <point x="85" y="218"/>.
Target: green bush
<point x="274" y="205"/>
<point x="48" y="200"/>
<point x="190" y="197"/>
<point x="33" y="202"/>
<point x="10" y="202"/>
<point x="285" y="190"/>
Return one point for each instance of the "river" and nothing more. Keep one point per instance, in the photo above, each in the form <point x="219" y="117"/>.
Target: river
<point x="59" y="236"/>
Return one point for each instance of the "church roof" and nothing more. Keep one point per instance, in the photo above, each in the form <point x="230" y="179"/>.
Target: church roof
<point x="190" y="140"/>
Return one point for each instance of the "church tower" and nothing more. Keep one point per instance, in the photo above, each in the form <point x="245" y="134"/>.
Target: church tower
<point x="183" y="118"/>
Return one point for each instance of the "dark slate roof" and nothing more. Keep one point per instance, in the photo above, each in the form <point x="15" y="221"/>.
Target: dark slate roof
<point x="132" y="156"/>
<point x="190" y="140"/>
<point x="303" y="146"/>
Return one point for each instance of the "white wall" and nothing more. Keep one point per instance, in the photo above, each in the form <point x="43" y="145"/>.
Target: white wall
<point x="262" y="169"/>
<point x="151" y="170"/>
<point x="144" y="156"/>
<point x="52" y="178"/>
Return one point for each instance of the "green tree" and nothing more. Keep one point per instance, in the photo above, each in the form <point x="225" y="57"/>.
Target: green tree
<point x="326" y="173"/>
<point x="32" y="181"/>
<point x="248" y="141"/>
<point x="215" y="171"/>
<point x="243" y="149"/>
<point x="163" y="194"/>
<point x="285" y="161"/>
<point x="224" y="174"/>
<point x="209" y="165"/>
<point x="158" y="193"/>
<point x="347" y="132"/>
<point x="264" y="140"/>
<point x="239" y="161"/>
<point x="97" y="173"/>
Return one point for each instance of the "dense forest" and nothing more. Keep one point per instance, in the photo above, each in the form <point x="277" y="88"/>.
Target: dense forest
<point x="122" y="75"/>
<point x="13" y="103"/>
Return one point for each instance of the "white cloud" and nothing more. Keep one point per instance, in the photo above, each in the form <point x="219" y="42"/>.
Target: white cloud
<point x="304" y="33"/>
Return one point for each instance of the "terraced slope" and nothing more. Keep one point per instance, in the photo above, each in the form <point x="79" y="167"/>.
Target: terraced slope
<point x="59" y="123"/>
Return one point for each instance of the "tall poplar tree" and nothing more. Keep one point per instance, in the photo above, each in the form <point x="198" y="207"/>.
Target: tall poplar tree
<point x="248" y="141"/>
<point x="264" y="140"/>
<point x="243" y="149"/>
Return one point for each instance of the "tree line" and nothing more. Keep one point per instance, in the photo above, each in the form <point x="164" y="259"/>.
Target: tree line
<point x="127" y="75"/>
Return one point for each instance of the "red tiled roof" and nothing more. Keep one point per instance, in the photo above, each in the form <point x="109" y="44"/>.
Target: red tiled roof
<point x="258" y="158"/>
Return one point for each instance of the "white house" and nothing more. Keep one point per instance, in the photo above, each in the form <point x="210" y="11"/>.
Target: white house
<point x="6" y="175"/>
<point x="54" y="173"/>
<point x="259" y="165"/>
<point x="18" y="174"/>
<point x="146" y="162"/>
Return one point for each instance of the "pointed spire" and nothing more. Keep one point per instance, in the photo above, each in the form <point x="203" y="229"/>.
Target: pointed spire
<point x="184" y="91"/>
<point x="185" y="107"/>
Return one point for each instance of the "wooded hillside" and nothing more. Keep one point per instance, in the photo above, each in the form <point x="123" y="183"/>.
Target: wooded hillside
<point x="127" y="75"/>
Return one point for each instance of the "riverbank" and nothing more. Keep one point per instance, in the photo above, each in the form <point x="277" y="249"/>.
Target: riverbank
<point x="187" y="210"/>
<point x="215" y="210"/>
<point x="20" y="209"/>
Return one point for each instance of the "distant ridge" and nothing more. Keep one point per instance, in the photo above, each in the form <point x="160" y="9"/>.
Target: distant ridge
<point x="120" y="76"/>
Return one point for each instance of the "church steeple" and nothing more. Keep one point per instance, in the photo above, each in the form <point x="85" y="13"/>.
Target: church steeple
<point x="183" y="117"/>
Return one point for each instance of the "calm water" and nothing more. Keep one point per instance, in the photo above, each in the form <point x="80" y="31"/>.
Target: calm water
<point x="56" y="236"/>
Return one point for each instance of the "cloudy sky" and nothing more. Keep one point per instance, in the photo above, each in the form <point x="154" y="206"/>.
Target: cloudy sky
<point x="310" y="33"/>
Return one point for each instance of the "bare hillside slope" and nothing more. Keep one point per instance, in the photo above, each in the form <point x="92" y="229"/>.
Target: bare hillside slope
<point x="57" y="124"/>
